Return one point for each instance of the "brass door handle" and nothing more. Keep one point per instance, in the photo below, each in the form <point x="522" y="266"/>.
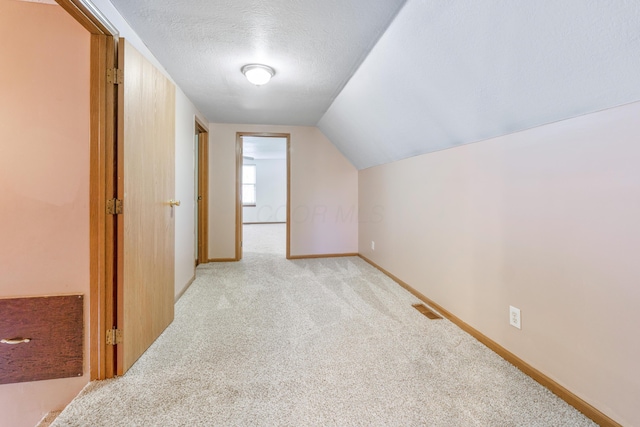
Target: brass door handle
<point x="15" y="340"/>
<point x="173" y="203"/>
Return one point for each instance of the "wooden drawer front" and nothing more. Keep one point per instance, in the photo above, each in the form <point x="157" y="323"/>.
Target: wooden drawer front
<point x="55" y="327"/>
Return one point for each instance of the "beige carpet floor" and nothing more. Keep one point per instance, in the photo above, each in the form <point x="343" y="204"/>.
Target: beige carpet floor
<point x="318" y="342"/>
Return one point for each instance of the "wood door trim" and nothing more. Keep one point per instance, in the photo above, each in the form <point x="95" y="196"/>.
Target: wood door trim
<point x="288" y="253"/>
<point x="102" y="128"/>
<point x="111" y="221"/>
<point x="101" y="249"/>
<point x="563" y="393"/>
<point x="203" y="191"/>
<point x="100" y="240"/>
<point x="89" y="16"/>
<point x="201" y="126"/>
<point x="117" y="308"/>
<point x="238" y="254"/>
<point x="239" y="135"/>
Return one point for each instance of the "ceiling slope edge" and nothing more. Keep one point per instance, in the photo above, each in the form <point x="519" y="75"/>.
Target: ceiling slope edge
<point x="452" y="73"/>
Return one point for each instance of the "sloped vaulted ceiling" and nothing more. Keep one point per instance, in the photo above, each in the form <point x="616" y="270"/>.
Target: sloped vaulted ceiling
<point x="442" y="72"/>
<point x="453" y="72"/>
<point x="314" y="46"/>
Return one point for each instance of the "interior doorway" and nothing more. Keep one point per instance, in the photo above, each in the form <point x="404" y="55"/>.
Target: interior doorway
<point x="201" y="148"/>
<point x="262" y="184"/>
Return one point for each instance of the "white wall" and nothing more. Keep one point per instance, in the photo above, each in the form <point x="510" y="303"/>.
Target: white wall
<point x="546" y="220"/>
<point x="324" y="192"/>
<point x="185" y="240"/>
<point x="271" y="192"/>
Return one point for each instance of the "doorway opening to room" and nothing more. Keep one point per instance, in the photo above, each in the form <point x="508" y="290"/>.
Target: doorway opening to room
<point x="201" y="167"/>
<point x="262" y="193"/>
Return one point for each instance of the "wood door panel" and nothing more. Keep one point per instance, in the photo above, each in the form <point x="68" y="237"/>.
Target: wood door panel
<point x="147" y="128"/>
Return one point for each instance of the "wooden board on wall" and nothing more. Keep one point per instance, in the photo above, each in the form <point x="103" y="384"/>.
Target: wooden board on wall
<point x="54" y="328"/>
<point x="146" y="146"/>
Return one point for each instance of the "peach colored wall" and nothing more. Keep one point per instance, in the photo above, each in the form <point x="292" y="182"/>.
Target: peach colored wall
<point x="44" y="177"/>
<point x="324" y="192"/>
<point x="546" y="220"/>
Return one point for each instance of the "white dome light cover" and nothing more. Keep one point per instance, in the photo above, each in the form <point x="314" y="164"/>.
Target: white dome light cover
<point x="258" y="74"/>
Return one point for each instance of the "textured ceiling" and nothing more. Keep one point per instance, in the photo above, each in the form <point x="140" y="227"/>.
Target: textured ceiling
<point x="444" y="73"/>
<point x="314" y="46"/>
<point x="452" y="72"/>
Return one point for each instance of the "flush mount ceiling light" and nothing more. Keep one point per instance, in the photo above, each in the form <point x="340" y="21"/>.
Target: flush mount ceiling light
<point x="258" y="74"/>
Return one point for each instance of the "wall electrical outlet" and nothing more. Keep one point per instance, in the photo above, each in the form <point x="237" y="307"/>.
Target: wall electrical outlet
<point x="514" y="317"/>
<point x="373" y="245"/>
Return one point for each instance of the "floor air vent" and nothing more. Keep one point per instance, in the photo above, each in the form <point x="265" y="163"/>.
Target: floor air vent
<point x="426" y="311"/>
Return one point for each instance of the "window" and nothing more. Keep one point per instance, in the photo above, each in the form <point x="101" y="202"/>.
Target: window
<point x="248" y="185"/>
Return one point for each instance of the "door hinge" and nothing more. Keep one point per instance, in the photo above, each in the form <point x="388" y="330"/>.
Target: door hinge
<point x="114" y="336"/>
<point x="115" y="76"/>
<point x="114" y="207"/>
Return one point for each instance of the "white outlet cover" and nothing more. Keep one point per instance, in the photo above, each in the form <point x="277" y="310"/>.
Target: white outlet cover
<point x="514" y="317"/>
<point x="373" y="245"/>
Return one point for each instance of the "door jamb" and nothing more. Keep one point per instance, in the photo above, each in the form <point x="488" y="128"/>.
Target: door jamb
<point x="239" y="162"/>
<point x="89" y="16"/>
<point x="101" y="172"/>
<point x="203" y="191"/>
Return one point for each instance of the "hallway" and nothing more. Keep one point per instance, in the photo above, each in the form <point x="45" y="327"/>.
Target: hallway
<point x="316" y="342"/>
